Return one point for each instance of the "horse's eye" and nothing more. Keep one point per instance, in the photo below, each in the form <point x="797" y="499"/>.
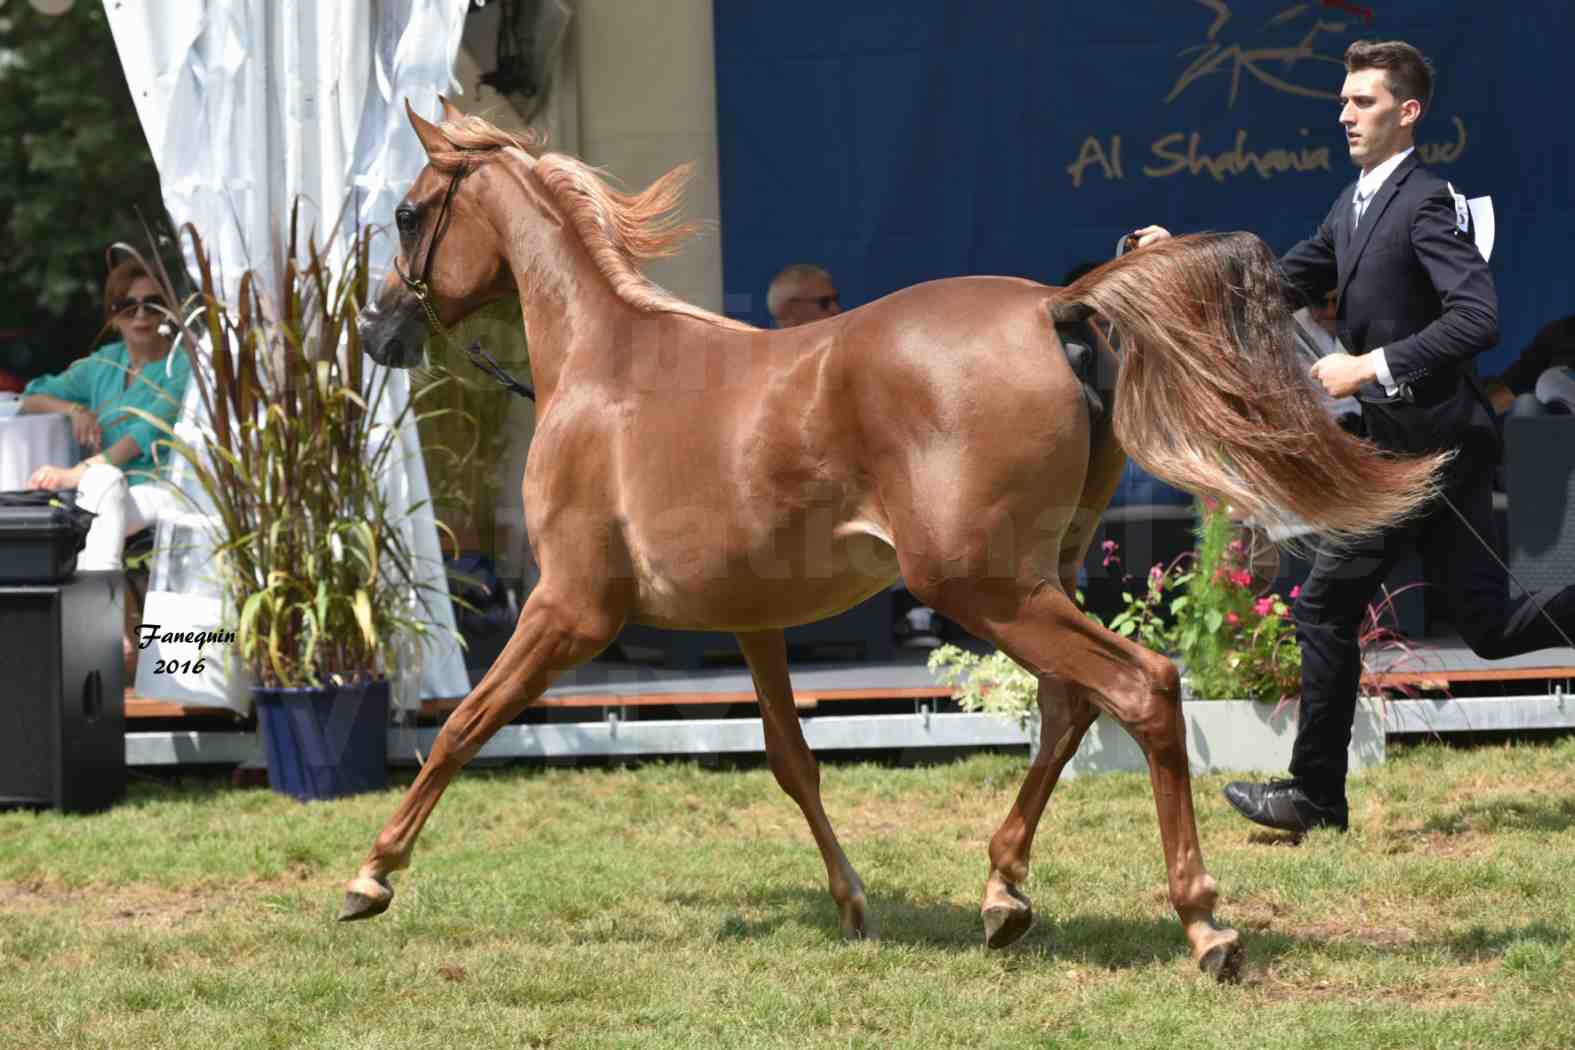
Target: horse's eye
<point x="405" y="219"/>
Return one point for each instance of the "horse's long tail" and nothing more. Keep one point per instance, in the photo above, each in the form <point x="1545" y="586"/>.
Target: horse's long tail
<point x="1213" y="397"/>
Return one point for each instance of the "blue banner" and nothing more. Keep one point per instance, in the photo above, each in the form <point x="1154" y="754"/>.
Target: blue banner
<point x="896" y="143"/>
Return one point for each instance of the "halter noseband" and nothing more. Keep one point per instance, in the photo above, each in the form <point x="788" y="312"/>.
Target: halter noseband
<point x="421" y="288"/>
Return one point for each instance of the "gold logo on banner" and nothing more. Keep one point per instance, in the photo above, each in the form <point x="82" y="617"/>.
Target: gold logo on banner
<point x="1297" y="60"/>
<point x="1289" y="67"/>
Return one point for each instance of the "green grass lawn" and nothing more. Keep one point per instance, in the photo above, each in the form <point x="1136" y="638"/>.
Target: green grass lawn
<point x="672" y="905"/>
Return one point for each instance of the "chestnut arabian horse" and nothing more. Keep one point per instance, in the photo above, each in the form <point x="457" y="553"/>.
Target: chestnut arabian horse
<point x="693" y="472"/>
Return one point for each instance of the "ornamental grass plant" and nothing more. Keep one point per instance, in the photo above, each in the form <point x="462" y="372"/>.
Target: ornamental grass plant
<point x="468" y="425"/>
<point x="310" y="554"/>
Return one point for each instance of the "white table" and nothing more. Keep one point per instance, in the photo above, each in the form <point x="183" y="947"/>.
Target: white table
<point x="33" y="441"/>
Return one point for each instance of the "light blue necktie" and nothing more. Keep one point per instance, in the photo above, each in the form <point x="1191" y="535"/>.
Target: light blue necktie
<point x="1360" y="208"/>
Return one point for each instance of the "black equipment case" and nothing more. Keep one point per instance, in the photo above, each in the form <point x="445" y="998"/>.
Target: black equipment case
<point x="40" y="536"/>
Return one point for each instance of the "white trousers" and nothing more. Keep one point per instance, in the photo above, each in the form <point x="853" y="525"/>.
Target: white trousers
<point x="122" y="509"/>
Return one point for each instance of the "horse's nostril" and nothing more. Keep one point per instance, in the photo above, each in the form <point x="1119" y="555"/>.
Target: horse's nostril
<point x="393" y="351"/>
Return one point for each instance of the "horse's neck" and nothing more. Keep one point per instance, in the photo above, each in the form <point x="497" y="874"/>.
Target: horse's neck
<point x="572" y="315"/>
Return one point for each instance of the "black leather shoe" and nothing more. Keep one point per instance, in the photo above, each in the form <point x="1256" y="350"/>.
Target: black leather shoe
<point x="1283" y="805"/>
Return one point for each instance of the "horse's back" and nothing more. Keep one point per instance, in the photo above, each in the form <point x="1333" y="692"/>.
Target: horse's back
<point x="959" y="358"/>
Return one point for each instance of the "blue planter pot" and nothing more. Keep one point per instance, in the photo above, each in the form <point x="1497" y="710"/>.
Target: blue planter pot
<point x="325" y="743"/>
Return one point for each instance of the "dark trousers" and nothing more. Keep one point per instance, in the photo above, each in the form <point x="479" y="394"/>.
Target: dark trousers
<point x="1334" y="600"/>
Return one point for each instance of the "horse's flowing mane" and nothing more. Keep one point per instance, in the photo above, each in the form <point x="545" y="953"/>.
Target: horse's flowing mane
<point x="618" y="229"/>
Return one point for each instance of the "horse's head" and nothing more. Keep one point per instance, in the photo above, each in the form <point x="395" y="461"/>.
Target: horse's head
<point x="451" y="259"/>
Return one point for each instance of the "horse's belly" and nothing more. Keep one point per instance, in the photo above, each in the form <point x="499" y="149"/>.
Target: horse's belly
<point x="796" y="575"/>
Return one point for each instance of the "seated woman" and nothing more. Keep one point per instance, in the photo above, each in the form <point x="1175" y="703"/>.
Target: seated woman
<point x="116" y="480"/>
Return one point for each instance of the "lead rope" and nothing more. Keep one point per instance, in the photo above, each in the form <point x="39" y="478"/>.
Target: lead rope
<point x="422" y="289"/>
<point x="478" y="357"/>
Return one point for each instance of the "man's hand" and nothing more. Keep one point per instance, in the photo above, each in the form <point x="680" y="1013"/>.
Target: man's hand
<point x="53" y="479"/>
<point x="1150" y="235"/>
<point x="1343" y="374"/>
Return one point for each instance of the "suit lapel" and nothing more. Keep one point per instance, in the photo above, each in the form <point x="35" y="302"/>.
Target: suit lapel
<point x="1370" y="219"/>
<point x="1342" y="235"/>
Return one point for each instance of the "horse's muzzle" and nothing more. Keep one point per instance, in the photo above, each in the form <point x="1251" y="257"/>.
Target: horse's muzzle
<point x="387" y="337"/>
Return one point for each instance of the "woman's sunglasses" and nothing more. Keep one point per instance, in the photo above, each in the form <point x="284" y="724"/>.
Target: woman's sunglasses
<point x="126" y="307"/>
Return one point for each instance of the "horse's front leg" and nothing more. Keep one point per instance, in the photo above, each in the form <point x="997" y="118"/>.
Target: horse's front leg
<point x="796" y="771"/>
<point x="555" y="632"/>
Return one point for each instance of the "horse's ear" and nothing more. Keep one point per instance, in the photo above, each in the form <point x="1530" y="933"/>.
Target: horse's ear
<point x="451" y="112"/>
<point x="432" y="139"/>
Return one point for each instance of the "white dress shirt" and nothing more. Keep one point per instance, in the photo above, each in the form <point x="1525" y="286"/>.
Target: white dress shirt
<point x="1367" y="186"/>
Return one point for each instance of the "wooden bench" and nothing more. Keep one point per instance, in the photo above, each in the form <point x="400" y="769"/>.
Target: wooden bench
<point x="1442" y="678"/>
<point x="805" y="700"/>
<point x="808" y="700"/>
<point x="141" y="707"/>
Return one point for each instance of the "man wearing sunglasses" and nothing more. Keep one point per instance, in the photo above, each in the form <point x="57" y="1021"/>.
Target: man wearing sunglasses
<point x="802" y="293"/>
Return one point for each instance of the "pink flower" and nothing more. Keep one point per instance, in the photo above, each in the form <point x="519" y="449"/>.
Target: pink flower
<point x="1296" y="592"/>
<point x="1232" y="619"/>
<point x="1241" y="578"/>
<point x="1109" y="547"/>
<point x="1263" y="606"/>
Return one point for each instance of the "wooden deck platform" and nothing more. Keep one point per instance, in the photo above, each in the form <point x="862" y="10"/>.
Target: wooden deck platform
<point x="1440" y="663"/>
<point x="1434" y="664"/>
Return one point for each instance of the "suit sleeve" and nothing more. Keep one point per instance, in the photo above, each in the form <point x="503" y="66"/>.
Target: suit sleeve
<point x="1309" y="268"/>
<point x="1468" y="321"/>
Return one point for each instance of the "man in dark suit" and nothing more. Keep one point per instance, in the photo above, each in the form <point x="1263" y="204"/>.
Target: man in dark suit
<point x="1416" y="303"/>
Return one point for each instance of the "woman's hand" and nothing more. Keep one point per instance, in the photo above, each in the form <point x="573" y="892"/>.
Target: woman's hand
<point x="84" y="424"/>
<point x="53" y="479"/>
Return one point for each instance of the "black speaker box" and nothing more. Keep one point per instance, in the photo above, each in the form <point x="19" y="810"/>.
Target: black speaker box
<point x="1539" y="479"/>
<point x="62" y="701"/>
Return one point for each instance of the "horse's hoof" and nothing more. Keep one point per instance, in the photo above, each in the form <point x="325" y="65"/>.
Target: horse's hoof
<point x="1223" y="961"/>
<point x="1007" y="914"/>
<point x="366" y="898"/>
<point x="1003" y="925"/>
<point x="855" y="925"/>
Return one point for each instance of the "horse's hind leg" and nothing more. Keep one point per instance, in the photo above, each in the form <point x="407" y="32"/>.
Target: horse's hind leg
<point x="1046" y="632"/>
<point x="1064" y="716"/>
<point x="797" y="772"/>
<point x="552" y="636"/>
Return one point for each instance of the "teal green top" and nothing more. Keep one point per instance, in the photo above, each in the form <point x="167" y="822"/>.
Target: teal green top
<point x="98" y="383"/>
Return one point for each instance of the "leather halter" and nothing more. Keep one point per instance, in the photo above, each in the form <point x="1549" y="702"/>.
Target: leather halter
<point x="421" y="288"/>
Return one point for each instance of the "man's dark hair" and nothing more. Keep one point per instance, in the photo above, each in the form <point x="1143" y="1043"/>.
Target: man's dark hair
<point x="1407" y="73"/>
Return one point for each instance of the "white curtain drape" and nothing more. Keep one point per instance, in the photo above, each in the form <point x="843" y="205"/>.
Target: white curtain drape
<point x="249" y="106"/>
